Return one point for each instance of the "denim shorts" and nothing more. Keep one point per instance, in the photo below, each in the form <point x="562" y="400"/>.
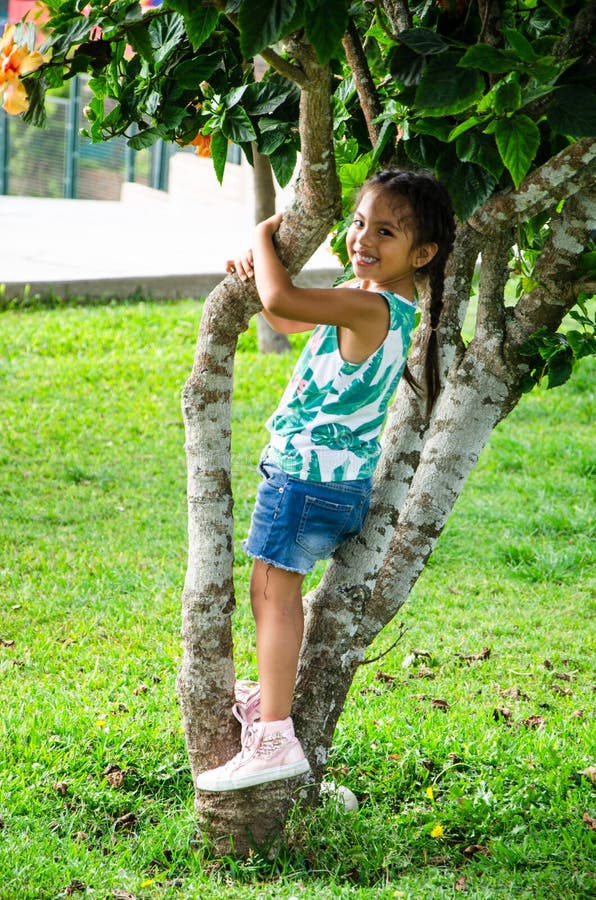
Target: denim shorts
<point x="296" y="522"/>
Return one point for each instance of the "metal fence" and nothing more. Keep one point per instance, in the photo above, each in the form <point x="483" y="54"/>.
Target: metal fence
<point x="57" y="161"/>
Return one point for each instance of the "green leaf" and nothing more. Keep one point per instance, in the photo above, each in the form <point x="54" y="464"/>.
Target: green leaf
<point x="463" y="127"/>
<point x="517" y="140"/>
<point x="406" y="66"/>
<point x="423" y="40"/>
<point x="487" y="156"/>
<point x="283" y="163"/>
<point x="446" y="89"/>
<point x="340" y="112"/>
<point x="166" y="34"/>
<point x="353" y="175"/>
<point x="270" y="124"/>
<point x="191" y="72"/>
<point x="587" y="262"/>
<point x="507" y="97"/>
<point x="234" y="96"/>
<point x="581" y="343"/>
<point x="326" y="23"/>
<point x="271" y="140"/>
<point x="559" y="372"/>
<point x="264" y="97"/>
<point x="573" y="112"/>
<point x="423" y="150"/>
<point x="262" y="23"/>
<point x="145" y="138"/>
<point x="219" y="154"/>
<point x="386" y="134"/>
<point x="140" y="40"/>
<point x="346" y="151"/>
<point x="236" y="125"/>
<point x="468" y="185"/>
<point x="520" y="44"/>
<point x="489" y="59"/>
<point x="434" y="127"/>
<point x="200" y="20"/>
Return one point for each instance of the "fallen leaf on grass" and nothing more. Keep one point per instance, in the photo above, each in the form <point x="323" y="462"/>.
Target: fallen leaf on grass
<point x="125" y="822"/>
<point x="122" y="895"/>
<point x="7" y="643"/>
<point x="590" y="773"/>
<point x="476" y="850"/>
<point x="534" y="722"/>
<point x="563" y="676"/>
<point x="423" y="672"/>
<point x="577" y="714"/>
<point x="114" y="775"/>
<point x="438" y="703"/>
<point x="502" y="714"/>
<point x="61" y="787"/>
<point x="460" y="884"/>
<point x="547" y="664"/>
<point x="514" y="693"/>
<point x="75" y="887"/>
<point x="140" y="689"/>
<point x="475" y="657"/>
<point x="564" y="692"/>
<point x="589" y="821"/>
<point x="80" y="836"/>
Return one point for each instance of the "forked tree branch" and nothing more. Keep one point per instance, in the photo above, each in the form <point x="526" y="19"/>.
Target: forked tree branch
<point x="284" y="67"/>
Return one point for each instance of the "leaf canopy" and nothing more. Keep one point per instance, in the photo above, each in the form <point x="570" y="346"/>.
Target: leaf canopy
<point x="479" y="112"/>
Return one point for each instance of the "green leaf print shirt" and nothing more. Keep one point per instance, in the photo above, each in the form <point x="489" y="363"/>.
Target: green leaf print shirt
<point x="328" y="422"/>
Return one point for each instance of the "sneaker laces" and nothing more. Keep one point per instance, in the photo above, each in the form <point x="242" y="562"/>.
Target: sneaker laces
<point x="247" y="707"/>
<point x="250" y="745"/>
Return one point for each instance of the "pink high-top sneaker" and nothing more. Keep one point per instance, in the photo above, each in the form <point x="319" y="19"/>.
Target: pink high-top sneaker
<point x="270" y="752"/>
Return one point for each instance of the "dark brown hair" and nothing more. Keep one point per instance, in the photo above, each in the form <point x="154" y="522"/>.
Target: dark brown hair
<point x="434" y="223"/>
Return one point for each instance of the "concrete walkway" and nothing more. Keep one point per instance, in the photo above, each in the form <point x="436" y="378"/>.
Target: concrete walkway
<point x="150" y="243"/>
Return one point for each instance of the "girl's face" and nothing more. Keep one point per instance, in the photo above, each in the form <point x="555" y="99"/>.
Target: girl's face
<point x="380" y="243"/>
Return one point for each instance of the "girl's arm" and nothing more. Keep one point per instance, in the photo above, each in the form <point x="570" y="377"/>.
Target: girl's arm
<point x="363" y="312"/>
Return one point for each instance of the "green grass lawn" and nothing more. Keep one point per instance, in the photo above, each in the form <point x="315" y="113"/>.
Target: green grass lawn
<point x="470" y="772"/>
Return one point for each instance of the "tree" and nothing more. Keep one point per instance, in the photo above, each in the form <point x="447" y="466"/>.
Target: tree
<point x="497" y="99"/>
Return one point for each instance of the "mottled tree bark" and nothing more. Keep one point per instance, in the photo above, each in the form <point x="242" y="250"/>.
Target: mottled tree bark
<point x="268" y="340"/>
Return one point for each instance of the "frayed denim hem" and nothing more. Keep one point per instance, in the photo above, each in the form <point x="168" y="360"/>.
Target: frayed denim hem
<point x="276" y="565"/>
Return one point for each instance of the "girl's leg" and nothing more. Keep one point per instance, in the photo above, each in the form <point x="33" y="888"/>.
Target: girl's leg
<point x="276" y="597"/>
<point x="270" y="749"/>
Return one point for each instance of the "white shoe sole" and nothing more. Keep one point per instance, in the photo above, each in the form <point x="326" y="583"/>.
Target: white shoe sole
<point x="206" y="782"/>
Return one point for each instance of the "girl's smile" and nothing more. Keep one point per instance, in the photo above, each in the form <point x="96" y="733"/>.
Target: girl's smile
<point x="380" y="244"/>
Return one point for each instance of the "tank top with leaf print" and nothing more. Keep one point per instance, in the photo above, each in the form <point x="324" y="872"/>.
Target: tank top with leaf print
<point x="329" y="419"/>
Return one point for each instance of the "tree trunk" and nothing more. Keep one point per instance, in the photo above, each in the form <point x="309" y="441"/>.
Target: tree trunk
<point x="422" y="471"/>
<point x="268" y="339"/>
<point x="206" y="677"/>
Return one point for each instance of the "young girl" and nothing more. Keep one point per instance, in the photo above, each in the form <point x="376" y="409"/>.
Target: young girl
<point x="324" y="445"/>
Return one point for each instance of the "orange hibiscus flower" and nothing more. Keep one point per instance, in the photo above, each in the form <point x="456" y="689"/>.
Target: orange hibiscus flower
<point x="203" y="144"/>
<point x="15" y="62"/>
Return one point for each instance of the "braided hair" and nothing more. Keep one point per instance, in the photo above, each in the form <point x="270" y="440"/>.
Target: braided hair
<point x="433" y="222"/>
